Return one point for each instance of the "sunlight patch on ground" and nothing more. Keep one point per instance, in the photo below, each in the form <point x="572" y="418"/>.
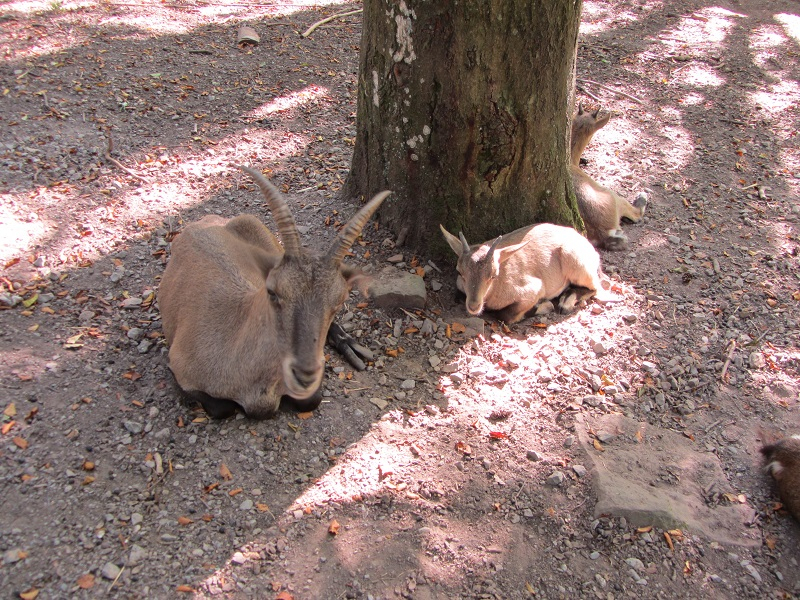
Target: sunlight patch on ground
<point x="768" y="44"/>
<point x="18" y="231"/>
<point x="693" y="99"/>
<point x="169" y="192"/>
<point x="600" y="16"/>
<point x="681" y="147"/>
<point x="702" y="31"/>
<point x="699" y="75"/>
<point x="289" y="101"/>
<point x="791" y="23"/>
<point x="777" y="98"/>
<point x="31" y="6"/>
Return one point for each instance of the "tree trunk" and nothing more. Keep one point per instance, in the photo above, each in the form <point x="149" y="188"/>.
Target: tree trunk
<point x="463" y="111"/>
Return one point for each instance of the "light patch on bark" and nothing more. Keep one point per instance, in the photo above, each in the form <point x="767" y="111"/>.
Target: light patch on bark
<point x="375" y="81"/>
<point x="405" y="51"/>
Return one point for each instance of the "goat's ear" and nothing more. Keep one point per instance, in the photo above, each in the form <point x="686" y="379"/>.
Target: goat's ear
<point x="508" y="251"/>
<point x="580" y="108"/>
<point x="356" y="278"/>
<point x="452" y="240"/>
<point x="268" y="261"/>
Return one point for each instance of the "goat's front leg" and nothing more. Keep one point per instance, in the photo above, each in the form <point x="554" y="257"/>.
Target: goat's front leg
<point x="347" y="346"/>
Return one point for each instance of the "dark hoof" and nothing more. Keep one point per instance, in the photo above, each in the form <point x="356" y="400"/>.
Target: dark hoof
<point x="306" y="405"/>
<point x="217" y="408"/>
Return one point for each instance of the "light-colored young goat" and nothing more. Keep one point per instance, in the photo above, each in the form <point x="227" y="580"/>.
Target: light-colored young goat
<point x="514" y="272"/>
<point x="245" y="318"/>
<point x="783" y="463"/>
<point x="601" y="208"/>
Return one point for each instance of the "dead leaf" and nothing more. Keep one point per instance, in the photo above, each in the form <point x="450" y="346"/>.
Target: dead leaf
<point x="235" y="492"/>
<point x="305" y="415"/>
<point x="261" y="507"/>
<point x="647" y="529"/>
<point x="20" y="443"/>
<point x="284" y="596"/>
<point x="458" y="327"/>
<point x="498" y="435"/>
<point x="225" y="472"/>
<point x="86" y="581"/>
<point x="88" y="465"/>
<point x="639" y="436"/>
<point x="333" y="528"/>
<point x="184" y="520"/>
<point x="10" y="411"/>
<point x="185" y="588"/>
<point x="87" y="480"/>
<point x="598" y="446"/>
<point x="463" y="447"/>
<point x="771" y="542"/>
<point x="7" y="427"/>
<point x="31" y="594"/>
<point x="669" y="540"/>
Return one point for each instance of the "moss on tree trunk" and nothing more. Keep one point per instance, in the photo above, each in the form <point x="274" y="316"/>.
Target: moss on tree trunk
<point x="464" y="111"/>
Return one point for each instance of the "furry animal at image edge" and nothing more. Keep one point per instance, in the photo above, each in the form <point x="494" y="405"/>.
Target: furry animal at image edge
<point x="246" y="319"/>
<point x="783" y="463"/>
<point x="514" y="272"/>
<point x="601" y="208"/>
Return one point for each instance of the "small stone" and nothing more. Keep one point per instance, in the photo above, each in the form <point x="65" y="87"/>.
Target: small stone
<point x="136" y="519"/>
<point x="135" y="333"/>
<point x="379" y="402"/>
<point x="757" y="360"/>
<point x="133" y="427"/>
<point x="533" y="455"/>
<point x="110" y="571"/>
<point x="132" y="302"/>
<point x="238" y="558"/>
<point x="86" y="316"/>
<point x="599" y="348"/>
<point x="246" y="505"/>
<point x="45" y="298"/>
<point x="555" y="479"/>
<point x="395" y="258"/>
<point x="569" y="441"/>
<point x="674" y="239"/>
<point x="12" y="556"/>
<point x="408" y="384"/>
<point x="435" y="361"/>
<point x="136" y="556"/>
<point x="580" y="470"/>
<point x="635" y="563"/>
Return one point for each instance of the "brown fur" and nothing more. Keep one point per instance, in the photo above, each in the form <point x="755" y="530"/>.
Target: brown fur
<point x="783" y="463"/>
<point x="515" y="272"/>
<point x="244" y="317"/>
<point x="601" y="208"/>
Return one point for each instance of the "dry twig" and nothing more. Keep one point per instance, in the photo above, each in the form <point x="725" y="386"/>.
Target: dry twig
<point x="610" y="89"/>
<point x="311" y="29"/>
<point x="118" y="164"/>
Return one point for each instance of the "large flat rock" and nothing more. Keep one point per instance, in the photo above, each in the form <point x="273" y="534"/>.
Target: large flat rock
<point x="394" y="288"/>
<point x="654" y="476"/>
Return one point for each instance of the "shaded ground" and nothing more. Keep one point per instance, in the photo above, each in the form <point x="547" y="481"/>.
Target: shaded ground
<point x="456" y="466"/>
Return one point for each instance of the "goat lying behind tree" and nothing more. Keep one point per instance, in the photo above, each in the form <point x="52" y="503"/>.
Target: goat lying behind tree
<point x="601" y="208"/>
<point x="514" y="272"/>
<point x="245" y="318"/>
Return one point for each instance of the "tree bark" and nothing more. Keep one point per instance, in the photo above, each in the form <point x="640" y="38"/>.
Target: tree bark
<point x="463" y="111"/>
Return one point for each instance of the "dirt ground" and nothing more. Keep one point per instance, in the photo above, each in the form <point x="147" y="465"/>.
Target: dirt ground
<point x="455" y="466"/>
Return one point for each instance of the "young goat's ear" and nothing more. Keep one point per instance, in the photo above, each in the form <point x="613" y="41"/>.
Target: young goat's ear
<point x="505" y="253"/>
<point x="357" y="279"/>
<point x="452" y="240"/>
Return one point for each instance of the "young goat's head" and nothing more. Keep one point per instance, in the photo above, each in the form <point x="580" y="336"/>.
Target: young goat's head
<point x="306" y="290"/>
<point x="478" y="266"/>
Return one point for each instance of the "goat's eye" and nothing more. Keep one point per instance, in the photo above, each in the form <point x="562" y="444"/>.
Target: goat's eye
<point x="273" y="297"/>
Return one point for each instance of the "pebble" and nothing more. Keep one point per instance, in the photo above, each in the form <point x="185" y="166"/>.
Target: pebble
<point x="555" y="479"/>
<point x="533" y="455"/>
<point x="408" y="384"/>
<point x="246" y="505"/>
<point x="136" y="556"/>
<point x="635" y="563"/>
<point x="110" y="571"/>
<point x="580" y="470"/>
<point x="132" y="302"/>
<point x="133" y="427"/>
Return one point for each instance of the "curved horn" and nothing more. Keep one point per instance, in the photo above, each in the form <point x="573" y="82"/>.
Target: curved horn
<point x="352" y="230"/>
<point x="281" y="214"/>
<point x="464" y="243"/>
<point x="494" y="245"/>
